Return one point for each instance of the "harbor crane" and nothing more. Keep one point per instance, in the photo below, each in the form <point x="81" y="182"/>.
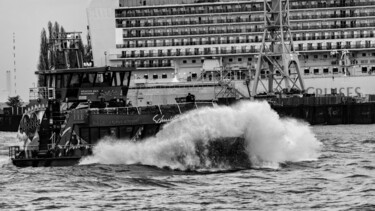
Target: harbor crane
<point x="278" y="63"/>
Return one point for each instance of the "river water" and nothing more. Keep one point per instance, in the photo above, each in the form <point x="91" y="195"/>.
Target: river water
<point x="341" y="177"/>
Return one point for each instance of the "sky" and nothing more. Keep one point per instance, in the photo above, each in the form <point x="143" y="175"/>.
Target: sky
<point x="27" y="18"/>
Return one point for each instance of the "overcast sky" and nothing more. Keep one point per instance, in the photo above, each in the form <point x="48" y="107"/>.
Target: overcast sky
<point x="26" y="18"/>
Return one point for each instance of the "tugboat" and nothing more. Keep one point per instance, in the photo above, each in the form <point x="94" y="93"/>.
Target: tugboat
<point x="74" y="108"/>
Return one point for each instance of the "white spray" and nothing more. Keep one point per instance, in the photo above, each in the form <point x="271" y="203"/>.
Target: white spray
<point x="269" y="139"/>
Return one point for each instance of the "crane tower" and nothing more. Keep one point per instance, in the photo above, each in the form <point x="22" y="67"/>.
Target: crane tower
<point x="278" y="63"/>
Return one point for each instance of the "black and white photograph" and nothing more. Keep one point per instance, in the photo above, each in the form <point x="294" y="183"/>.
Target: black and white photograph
<point x="187" y="105"/>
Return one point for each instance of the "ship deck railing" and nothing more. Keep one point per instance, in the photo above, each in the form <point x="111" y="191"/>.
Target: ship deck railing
<point x="177" y="108"/>
<point x="53" y="151"/>
<point x="27" y="152"/>
<point x="54" y="146"/>
<point x="78" y="150"/>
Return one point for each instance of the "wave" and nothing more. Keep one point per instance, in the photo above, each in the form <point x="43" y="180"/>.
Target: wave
<point x="4" y="161"/>
<point x="185" y="142"/>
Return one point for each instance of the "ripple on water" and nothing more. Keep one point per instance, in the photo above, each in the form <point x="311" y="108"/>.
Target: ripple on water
<point x="368" y="141"/>
<point x="358" y="176"/>
<point x="304" y="185"/>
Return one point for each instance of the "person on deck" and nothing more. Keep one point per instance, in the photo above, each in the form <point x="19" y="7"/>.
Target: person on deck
<point x="190" y="98"/>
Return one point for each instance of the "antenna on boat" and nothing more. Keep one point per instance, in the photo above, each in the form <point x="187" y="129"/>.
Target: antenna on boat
<point x="277" y="60"/>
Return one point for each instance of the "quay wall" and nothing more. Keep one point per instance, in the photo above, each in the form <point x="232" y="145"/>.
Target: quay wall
<point x="330" y="114"/>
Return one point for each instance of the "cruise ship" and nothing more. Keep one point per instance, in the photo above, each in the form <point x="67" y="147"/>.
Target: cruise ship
<point x="210" y="47"/>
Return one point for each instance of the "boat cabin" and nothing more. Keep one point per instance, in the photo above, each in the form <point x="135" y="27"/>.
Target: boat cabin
<point x="84" y="84"/>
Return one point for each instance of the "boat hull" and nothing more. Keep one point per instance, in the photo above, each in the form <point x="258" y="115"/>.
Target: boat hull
<point x="45" y="162"/>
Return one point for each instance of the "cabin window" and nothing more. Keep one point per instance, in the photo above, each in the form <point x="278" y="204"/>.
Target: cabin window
<point x="325" y="71"/>
<point x="114" y="79"/>
<point x="118" y="78"/>
<point x="316" y="71"/>
<point x="51" y="80"/>
<point x="88" y="79"/>
<point x="65" y="80"/>
<point x="335" y="70"/>
<point x="164" y="75"/>
<point x="58" y="81"/>
<point x="124" y="78"/>
<point x="74" y="81"/>
<point x="48" y="79"/>
<point x="106" y="79"/>
<point x="145" y="76"/>
<point x="364" y="69"/>
<point x="43" y="80"/>
<point x="99" y="78"/>
<point x="307" y="71"/>
<point x="125" y="132"/>
<point x="155" y="76"/>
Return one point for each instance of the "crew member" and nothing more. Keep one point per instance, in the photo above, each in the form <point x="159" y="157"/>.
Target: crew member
<point x="190" y="98"/>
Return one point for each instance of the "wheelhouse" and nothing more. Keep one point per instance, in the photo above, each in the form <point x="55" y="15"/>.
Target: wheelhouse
<point x="93" y="84"/>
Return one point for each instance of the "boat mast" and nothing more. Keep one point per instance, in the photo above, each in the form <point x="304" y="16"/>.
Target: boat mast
<point x="277" y="60"/>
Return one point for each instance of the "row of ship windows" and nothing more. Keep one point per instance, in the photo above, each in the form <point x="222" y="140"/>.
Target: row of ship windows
<point x="189" y="52"/>
<point x="335" y="70"/>
<point x="193" y="75"/>
<point x="132" y="34"/>
<point x="242" y="75"/>
<point x="243" y="49"/>
<point x="229" y="8"/>
<point x="243" y="39"/>
<point x="230" y="18"/>
<point x="168" y="63"/>
<point x="229" y="22"/>
<point x="188" y="21"/>
<point x="188" y="10"/>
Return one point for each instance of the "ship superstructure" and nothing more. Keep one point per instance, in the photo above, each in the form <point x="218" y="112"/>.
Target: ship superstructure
<point x="204" y="40"/>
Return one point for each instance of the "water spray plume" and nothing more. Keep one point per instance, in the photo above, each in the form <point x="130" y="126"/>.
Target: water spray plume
<point x="267" y="139"/>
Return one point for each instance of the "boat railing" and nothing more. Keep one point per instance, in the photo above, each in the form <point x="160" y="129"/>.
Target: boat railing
<point x="70" y="150"/>
<point x="31" y="151"/>
<point x="54" y="146"/>
<point x="14" y="151"/>
<point x="177" y="108"/>
<point x="23" y="152"/>
<point x="42" y="93"/>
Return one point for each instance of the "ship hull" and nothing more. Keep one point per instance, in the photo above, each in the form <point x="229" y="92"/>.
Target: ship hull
<point x="229" y="151"/>
<point x="45" y="162"/>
